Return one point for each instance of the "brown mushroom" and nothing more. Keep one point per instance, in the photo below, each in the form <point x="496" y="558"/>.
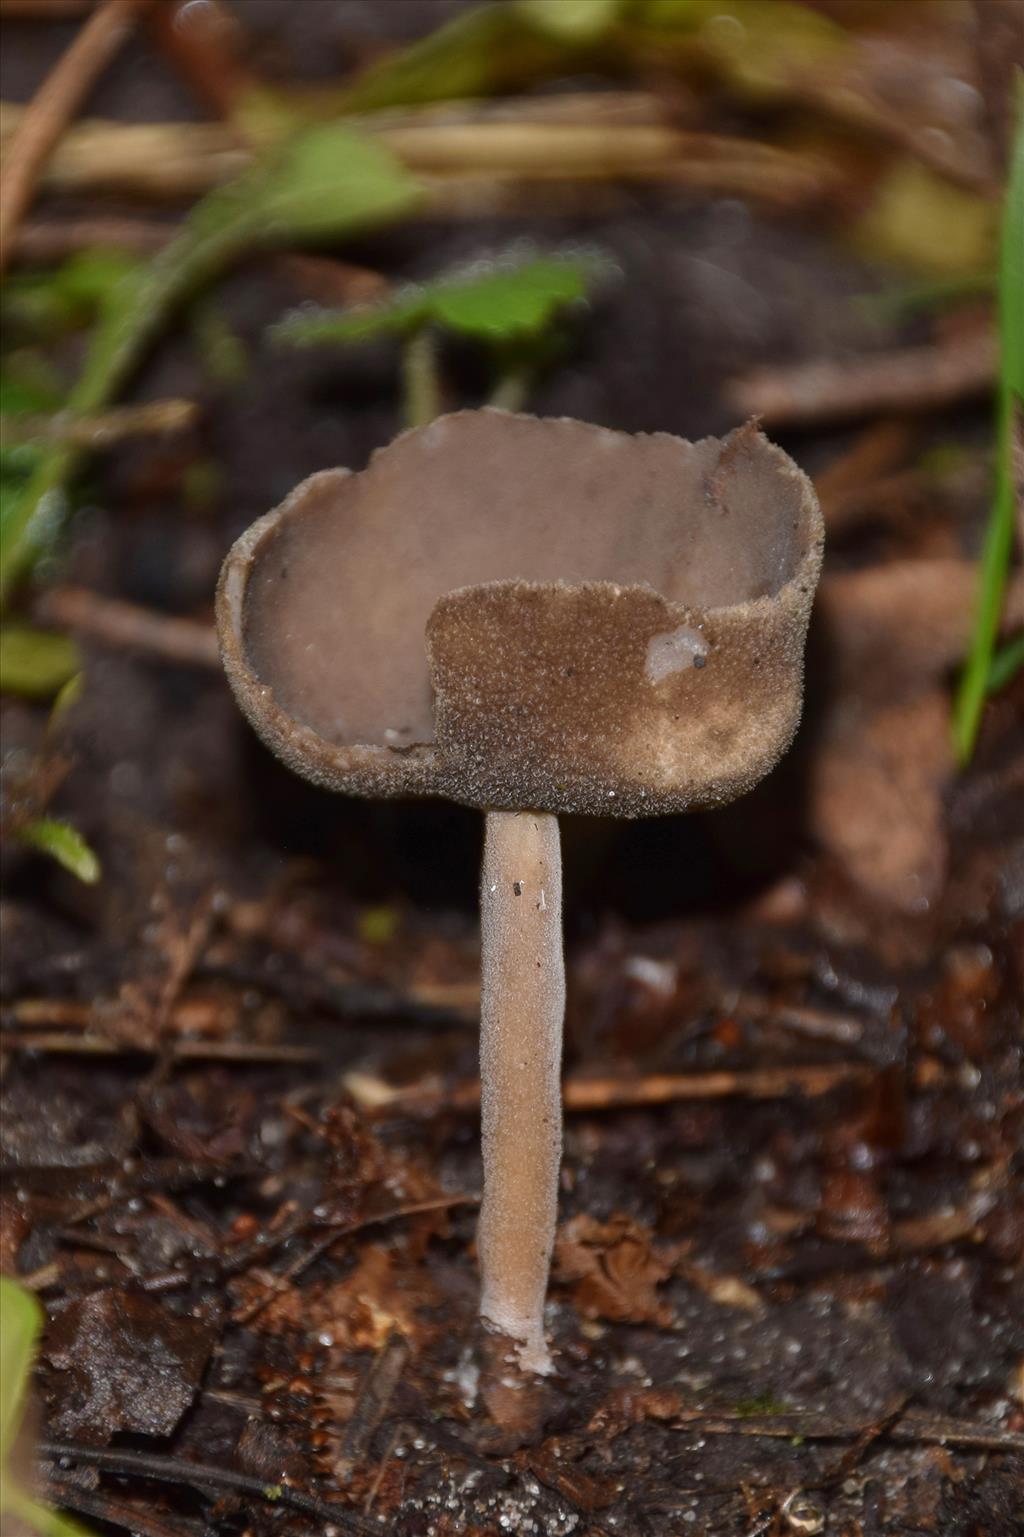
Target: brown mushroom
<point x="530" y="617"/>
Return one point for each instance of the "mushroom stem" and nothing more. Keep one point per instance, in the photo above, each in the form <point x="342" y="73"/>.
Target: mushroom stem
<point x="521" y="1013"/>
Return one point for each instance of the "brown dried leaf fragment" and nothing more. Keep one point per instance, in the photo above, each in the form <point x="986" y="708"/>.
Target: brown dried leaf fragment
<point x="876" y="800"/>
<point x="614" y="1269"/>
<point x="891" y="634"/>
<point x="124" y="1364"/>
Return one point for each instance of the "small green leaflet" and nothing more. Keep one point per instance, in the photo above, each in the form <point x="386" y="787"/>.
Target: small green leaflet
<point x="64" y="844"/>
<point x="575" y="20"/>
<point x="35" y="663"/>
<point x="493" y="303"/>
<point x="47" y="304"/>
<point x="21" y="1320"/>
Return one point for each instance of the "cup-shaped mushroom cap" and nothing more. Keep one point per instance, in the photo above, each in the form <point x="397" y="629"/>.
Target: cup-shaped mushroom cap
<point x="514" y="612"/>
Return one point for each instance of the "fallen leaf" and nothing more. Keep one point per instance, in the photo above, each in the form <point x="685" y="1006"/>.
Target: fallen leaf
<point x="123" y="1364"/>
<point x="890" y="634"/>
<point x="614" y="1269"/>
<point x="35" y="663"/>
<point x="898" y="627"/>
<point x="876" y="799"/>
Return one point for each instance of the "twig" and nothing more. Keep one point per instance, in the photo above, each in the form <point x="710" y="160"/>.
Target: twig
<point x="186" y="642"/>
<point x="378" y="1477"/>
<point x="179" y="1051"/>
<point x="868" y="1436"/>
<point x="211" y="1017"/>
<point x="55" y="103"/>
<point x="199" y="1475"/>
<point x="755" y="1083"/>
<point x="912" y="379"/>
<point x="103" y="429"/>
<point x="470" y="164"/>
<point x="371" y="1404"/>
<point x="43" y="10"/>
<point x="590" y="1094"/>
<point x="801" y="1018"/>
<point x="915" y="1428"/>
<point x="303" y="1261"/>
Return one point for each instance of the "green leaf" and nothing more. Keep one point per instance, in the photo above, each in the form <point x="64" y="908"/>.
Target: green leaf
<point x="29" y="384"/>
<point x="328" y="182"/>
<point x="763" y="48"/>
<point x="516" y="303"/>
<point x="35" y="663"/>
<point x="64" y="844"/>
<point x="325" y="182"/>
<point x="571" y="19"/>
<point x="21" y="1319"/>
<point x="50" y="303"/>
<point x="479" y="53"/>
<point x="998" y="547"/>
<point x="917" y="219"/>
<point x="503" y="302"/>
<point x="43" y="1521"/>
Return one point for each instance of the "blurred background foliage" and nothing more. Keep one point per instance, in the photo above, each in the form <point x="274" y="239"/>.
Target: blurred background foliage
<point x="886" y="126"/>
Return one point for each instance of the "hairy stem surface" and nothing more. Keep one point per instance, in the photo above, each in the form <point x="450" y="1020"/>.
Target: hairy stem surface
<point x="522" y="1009"/>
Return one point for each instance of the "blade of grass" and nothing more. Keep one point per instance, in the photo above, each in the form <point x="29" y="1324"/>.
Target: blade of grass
<point x="20" y="1322"/>
<point x="21" y="1319"/>
<point x="995" y="557"/>
<point x="65" y="844"/>
<point x="1006" y="664"/>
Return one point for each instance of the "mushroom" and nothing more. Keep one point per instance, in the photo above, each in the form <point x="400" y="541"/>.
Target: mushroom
<point x="529" y="617"/>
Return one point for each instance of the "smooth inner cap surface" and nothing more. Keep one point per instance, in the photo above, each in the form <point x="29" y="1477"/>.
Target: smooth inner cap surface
<point x="520" y="612"/>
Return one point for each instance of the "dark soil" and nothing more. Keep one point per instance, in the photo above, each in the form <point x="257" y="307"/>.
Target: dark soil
<point x="805" y="1307"/>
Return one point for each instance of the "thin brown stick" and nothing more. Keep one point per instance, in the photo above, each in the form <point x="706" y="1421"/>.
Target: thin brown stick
<point x="187" y="642"/>
<point x="802" y="1019"/>
<point x="468" y="166"/>
<point x="179" y="1051"/>
<point x="106" y="428"/>
<point x="591" y="1094"/>
<point x="213" y="1017"/>
<point x="757" y="1083"/>
<point x="375" y="1394"/>
<point x="378" y="1477"/>
<point x="915" y="1427"/>
<point x="829" y="389"/>
<point x="43" y="10"/>
<point x="196" y="1475"/>
<point x="302" y="1262"/>
<point x="54" y="105"/>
